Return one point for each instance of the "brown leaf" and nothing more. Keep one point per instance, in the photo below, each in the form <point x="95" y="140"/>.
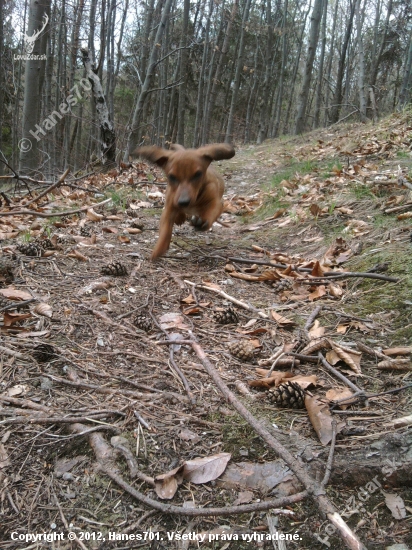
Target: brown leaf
<point x="172" y="320"/>
<point x="396" y="505"/>
<point x="123" y="239"/>
<point x="4" y="457"/>
<point x="244" y="497"/>
<point x="350" y="357"/>
<point x="76" y="254"/>
<point x="321" y="419"/>
<point x="94" y="216"/>
<point x="15" y="294"/>
<point x="317" y="270"/>
<point x="12" y="318"/>
<point x="316" y="331"/>
<point x="109" y="229"/>
<point x="188" y="435"/>
<point x="166" y="484"/>
<point x="283" y="321"/>
<point x="133" y="230"/>
<point x="275" y="379"/>
<point x="315" y="210"/>
<point x="318" y="293"/>
<point x="43" y="309"/>
<point x="338" y="394"/>
<point x="202" y="470"/>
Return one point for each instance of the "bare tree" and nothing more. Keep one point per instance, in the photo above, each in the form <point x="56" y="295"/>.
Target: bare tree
<point x="307" y="77"/>
<point x="39" y="15"/>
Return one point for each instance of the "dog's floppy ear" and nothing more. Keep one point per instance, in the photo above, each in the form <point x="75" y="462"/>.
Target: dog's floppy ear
<point x="217" y="151"/>
<point x="154" y="154"/>
<point x="176" y="147"/>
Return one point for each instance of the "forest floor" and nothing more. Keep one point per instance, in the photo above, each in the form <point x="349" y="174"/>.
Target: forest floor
<point x="80" y="352"/>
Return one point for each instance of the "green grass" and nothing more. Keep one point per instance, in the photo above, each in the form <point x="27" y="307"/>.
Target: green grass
<point x="361" y="191"/>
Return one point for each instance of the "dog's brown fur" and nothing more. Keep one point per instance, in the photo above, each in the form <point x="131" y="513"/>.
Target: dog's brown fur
<point x="194" y="188"/>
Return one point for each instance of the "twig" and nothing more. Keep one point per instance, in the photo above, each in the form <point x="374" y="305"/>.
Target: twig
<point x="328" y="469"/>
<point x="312" y="487"/>
<point x="230" y="298"/>
<point x="182" y="377"/>
<point x="15" y="354"/>
<point x="65" y="522"/>
<point x="53" y="214"/>
<point x="340" y="376"/>
<point x="53" y="186"/>
<point x="311" y="320"/>
<point x="326" y="275"/>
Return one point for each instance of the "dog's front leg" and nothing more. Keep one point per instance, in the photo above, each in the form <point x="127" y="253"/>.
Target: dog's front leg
<point x="167" y="221"/>
<point x="208" y="215"/>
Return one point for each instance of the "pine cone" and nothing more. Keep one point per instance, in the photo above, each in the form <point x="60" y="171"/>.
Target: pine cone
<point x="45" y="243"/>
<point x="115" y="269"/>
<point x="283" y="284"/>
<point x="6" y="270"/>
<point x="289" y="395"/>
<point x="132" y="213"/>
<point x="85" y="232"/>
<point x="226" y="317"/>
<point x="242" y="349"/>
<point x="30" y="249"/>
<point x="144" y="322"/>
<point x="44" y="353"/>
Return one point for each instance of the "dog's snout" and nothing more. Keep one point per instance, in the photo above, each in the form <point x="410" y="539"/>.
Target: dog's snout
<point x="184" y="201"/>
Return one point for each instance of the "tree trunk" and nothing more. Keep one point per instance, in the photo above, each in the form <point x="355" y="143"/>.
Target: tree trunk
<point x="218" y="74"/>
<point x="133" y="137"/>
<point x="264" y="106"/>
<point x="376" y="59"/>
<point x="329" y="65"/>
<point x="202" y="80"/>
<point x="321" y="62"/>
<point x="279" y="99"/>
<point x="296" y="68"/>
<point x="307" y="77"/>
<point x="361" y="61"/>
<point x="184" y="58"/>
<point x="337" y="97"/>
<point x="239" y="68"/>
<point x="107" y="132"/>
<point x="39" y="14"/>
<point x="405" y="93"/>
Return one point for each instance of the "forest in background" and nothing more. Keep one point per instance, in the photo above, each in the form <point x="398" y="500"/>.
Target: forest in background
<point x="92" y="79"/>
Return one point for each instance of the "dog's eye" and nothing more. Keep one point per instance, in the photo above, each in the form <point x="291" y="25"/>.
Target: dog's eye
<point x="173" y="179"/>
<point x="197" y="175"/>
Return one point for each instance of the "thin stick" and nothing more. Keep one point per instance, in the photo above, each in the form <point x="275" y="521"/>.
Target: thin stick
<point x="327" y="274"/>
<point x="53" y="186"/>
<point x="53" y="214"/>
<point x="340" y="375"/>
<point x="230" y="298"/>
<point x="328" y="469"/>
<point x="314" y="489"/>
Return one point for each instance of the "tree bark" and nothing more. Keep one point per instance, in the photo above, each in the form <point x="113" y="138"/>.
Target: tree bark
<point x="337" y="97"/>
<point x="319" y="86"/>
<point x="184" y="58"/>
<point x="307" y="77"/>
<point x="39" y="15"/>
<point x="361" y="61"/>
<point x="107" y="132"/>
<point x="239" y="68"/>
<point x="132" y="140"/>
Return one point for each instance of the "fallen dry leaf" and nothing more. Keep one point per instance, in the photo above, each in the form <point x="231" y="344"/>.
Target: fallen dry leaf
<point x="318" y="293"/>
<point x="15" y="294"/>
<point x="396" y="505"/>
<point x="203" y="470"/>
<point x="94" y="216"/>
<point x="43" y="309"/>
<point x="316" y="331"/>
<point x="321" y="419"/>
<point x="283" y="321"/>
<point x="338" y="394"/>
<point x="166" y="484"/>
<point x="10" y="319"/>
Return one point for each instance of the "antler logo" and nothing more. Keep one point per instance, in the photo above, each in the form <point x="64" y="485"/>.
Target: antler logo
<point x="30" y="40"/>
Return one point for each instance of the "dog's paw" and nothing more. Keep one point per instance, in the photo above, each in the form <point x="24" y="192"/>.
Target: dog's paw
<point x="199" y="224"/>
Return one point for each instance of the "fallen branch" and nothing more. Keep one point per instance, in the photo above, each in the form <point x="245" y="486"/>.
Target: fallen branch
<point x="50" y="188"/>
<point x="313" y="488"/>
<point x="328" y="366"/>
<point x="230" y="298"/>
<point x="326" y="275"/>
<point x="53" y="214"/>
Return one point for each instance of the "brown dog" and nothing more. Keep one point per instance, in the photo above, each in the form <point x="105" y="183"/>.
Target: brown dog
<point x="194" y="189"/>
